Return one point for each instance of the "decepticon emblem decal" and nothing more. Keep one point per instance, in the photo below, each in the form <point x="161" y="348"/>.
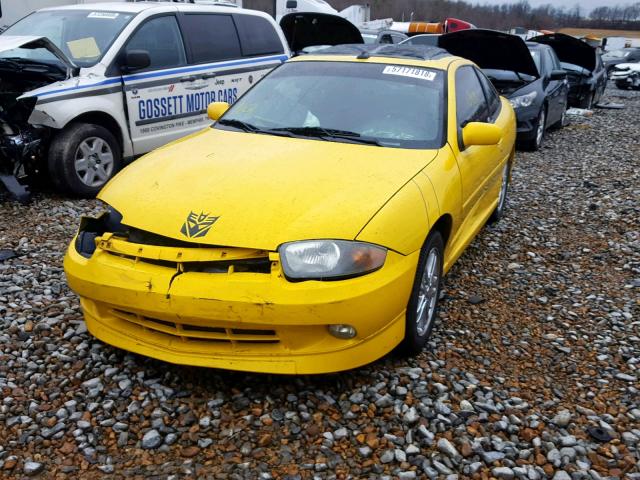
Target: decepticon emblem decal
<point x="197" y="226"/>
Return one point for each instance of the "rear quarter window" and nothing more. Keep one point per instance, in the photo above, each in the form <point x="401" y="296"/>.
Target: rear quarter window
<point x="257" y="36"/>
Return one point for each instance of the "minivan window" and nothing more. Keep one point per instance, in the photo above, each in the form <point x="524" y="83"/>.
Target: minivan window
<point x="167" y="53"/>
<point x="83" y="35"/>
<point x="257" y="36"/>
<point x="211" y="37"/>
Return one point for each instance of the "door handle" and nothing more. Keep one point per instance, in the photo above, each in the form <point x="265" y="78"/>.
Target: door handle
<point x="188" y="79"/>
<point x="208" y="76"/>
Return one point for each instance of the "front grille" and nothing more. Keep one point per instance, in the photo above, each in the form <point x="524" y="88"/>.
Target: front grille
<point x="203" y="333"/>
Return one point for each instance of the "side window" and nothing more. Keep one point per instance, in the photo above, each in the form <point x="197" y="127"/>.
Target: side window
<point x="493" y="99"/>
<point x="397" y="38"/>
<point x="211" y="37"/>
<point x="163" y="54"/>
<point x="386" y="39"/>
<point x="471" y="105"/>
<point x="257" y="36"/>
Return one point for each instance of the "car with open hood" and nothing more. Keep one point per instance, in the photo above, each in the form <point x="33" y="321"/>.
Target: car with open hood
<point x="84" y="88"/>
<point x="586" y="73"/>
<point x="528" y="74"/>
<point x="309" y="229"/>
<point x="311" y="31"/>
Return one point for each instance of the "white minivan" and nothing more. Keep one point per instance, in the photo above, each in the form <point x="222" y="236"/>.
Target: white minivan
<point x="84" y="88"/>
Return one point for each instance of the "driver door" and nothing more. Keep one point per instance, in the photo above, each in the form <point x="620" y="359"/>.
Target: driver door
<point x="155" y="95"/>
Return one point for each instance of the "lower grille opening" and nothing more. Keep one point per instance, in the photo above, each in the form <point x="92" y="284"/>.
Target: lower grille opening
<point x="200" y="333"/>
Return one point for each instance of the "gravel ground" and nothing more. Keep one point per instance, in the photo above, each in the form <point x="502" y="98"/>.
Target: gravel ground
<point x="533" y="371"/>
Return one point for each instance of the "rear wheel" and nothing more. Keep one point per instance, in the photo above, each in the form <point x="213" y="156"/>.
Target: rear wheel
<point x="423" y="303"/>
<point x="82" y="159"/>
<point x="502" y="196"/>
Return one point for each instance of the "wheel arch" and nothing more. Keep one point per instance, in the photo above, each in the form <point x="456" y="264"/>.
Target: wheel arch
<point x="104" y="120"/>
<point x="443" y="225"/>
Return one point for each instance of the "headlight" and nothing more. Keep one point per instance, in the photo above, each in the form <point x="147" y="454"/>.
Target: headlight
<point x="330" y="259"/>
<point x="523" y="100"/>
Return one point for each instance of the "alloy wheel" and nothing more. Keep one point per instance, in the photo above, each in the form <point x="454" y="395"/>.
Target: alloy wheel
<point x="94" y="162"/>
<point x="540" y="130"/>
<point x="428" y="292"/>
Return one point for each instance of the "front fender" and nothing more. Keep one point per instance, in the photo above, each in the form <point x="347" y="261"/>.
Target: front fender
<point x="401" y="224"/>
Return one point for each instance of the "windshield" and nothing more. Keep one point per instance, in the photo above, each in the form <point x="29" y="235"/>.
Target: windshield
<point x="617" y="54"/>
<point x="535" y="54"/>
<point x="84" y="36"/>
<point x="377" y="104"/>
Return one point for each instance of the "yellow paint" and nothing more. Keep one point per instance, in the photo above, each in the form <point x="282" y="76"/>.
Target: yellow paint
<point x="267" y="190"/>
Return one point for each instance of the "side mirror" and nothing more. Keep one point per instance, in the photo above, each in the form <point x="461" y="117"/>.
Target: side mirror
<point x="136" y="60"/>
<point x="216" y="109"/>
<point x="558" y="75"/>
<point x="291" y="4"/>
<point x="478" y="133"/>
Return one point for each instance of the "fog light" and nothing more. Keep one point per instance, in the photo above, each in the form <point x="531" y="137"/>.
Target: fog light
<point x="344" y="332"/>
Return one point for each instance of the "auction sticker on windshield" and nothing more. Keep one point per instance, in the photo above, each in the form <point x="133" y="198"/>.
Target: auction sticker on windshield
<point x="105" y="15"/>
<point x="419" y="73"/>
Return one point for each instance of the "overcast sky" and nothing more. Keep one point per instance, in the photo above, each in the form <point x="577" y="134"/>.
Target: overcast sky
<point x="585" y="5"/>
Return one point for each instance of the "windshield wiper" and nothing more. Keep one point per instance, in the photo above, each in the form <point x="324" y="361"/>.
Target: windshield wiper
<point x="244" y="126"/>
<point x="320" y="132"/>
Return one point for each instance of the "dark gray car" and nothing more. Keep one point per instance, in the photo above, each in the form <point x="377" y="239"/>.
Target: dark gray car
<point x="529" y="75"/>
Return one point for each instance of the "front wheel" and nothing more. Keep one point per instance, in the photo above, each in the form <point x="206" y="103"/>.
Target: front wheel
<point x="535" y="143"/>
<point x="82" y="159"/>
<point x="423" y="303"/>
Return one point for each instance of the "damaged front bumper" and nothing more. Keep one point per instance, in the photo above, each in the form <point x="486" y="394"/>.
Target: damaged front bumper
<point x="233" y="308"/>
<point x="21" y="150"/>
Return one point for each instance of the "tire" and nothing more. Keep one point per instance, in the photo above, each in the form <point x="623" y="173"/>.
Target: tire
<point x="424" y="296"/>
<point x="82" y="159"/>
<point x="497" y="214"/>
<point x="622" y="85"/>
<point x="535" y="143"/>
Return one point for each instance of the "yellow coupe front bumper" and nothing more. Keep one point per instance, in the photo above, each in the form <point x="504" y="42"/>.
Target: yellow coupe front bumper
<point x="143" y="299"/>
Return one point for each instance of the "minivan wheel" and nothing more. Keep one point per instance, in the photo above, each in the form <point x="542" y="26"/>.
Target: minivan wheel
<point x="423" y="302"/>
<point x="82" y="159"/>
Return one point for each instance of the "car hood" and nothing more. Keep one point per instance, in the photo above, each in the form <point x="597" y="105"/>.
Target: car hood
<point x="265" y="190"/>
<point x="308" y="29"/>
<point x="491" y="50"/>
<point x="569" y="49"/>
<point x="11" y="42"/>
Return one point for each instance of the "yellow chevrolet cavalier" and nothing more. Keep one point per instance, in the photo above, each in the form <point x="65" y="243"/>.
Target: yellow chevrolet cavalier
<point x="309" y="229"/>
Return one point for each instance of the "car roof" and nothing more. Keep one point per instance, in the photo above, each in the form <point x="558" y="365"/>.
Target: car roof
<point x="137" y="7"/>
<point x="417" y="55"/>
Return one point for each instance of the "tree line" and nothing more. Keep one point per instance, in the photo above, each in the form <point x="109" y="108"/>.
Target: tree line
<point x="501" y="17"/>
